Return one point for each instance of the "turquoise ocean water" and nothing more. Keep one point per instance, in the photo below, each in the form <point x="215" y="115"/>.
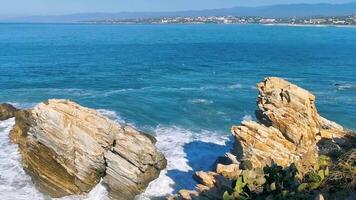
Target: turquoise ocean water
<point x="185" y="84"/>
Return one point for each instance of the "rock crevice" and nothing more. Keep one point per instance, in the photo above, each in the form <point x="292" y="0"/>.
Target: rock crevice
<point x="67" y="149"/>
<point x="288" y="131"/>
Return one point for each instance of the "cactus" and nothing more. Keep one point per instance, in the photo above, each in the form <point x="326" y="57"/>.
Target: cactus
<point x="275" y="182"/>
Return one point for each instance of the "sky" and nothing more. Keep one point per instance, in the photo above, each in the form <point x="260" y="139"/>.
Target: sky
<point x="11" y="8"/>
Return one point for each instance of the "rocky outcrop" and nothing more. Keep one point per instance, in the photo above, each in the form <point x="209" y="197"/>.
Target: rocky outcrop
<point x="288" y="131"/>
<point x="67" y="149"/>
<point x="7" y="111"/>
<point x="289" y="127"/>
<point x="132" y="163"/>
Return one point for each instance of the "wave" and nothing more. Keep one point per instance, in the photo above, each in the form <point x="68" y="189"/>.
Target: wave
<point x="99" y="192"/>
<point x="111" y="115"/>
<point x="174" y="142"/>
<point x="119" y="91"/>
<point x="22" y="105"/>
<point x="92" y="93"/>
<point x="247" y="117"/>
<point x="14" y="182"/>
<point x="201" y="101"/>
<point x="184" y="149"/>
<point x="57" y="91"/>
<point x="235" y="86"/>
<point x="345" y="86"/>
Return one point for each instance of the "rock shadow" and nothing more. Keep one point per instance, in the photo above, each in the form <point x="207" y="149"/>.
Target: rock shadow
<point x="201" y="156"/>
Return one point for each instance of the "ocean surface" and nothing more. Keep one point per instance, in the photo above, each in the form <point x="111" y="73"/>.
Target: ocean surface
<point x="185" y="84"/>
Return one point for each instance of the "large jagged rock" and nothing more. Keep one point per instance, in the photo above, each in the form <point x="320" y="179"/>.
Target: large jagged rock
<point x="289" y="130"/>
<point x="289" y="127"/>
<point x="67" y="149"/>
<point x="132" y="164"/>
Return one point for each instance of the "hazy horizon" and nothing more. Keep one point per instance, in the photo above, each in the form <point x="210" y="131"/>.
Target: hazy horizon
<point x="22" y="8"/>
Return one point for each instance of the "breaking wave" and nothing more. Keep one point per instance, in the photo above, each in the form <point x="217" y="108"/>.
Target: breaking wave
<point x="184" y="149"/>
<point x="201" y="101"/>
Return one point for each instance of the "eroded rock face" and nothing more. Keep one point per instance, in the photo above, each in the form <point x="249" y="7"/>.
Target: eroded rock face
<point x="132" y="164"/>
<point x="67" y="149"/>
<point x="7" y="111"/>
<point x="290" y="109"/>
<point x="288" y="131"/>
<point x="289" y="127"/>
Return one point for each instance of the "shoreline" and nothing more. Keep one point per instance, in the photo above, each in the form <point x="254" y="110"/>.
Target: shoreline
<point x="190" y="24"/>
<point x="312" y="25"/>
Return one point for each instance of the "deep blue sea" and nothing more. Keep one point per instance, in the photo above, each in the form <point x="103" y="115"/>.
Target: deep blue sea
<point x="185" y="84"/>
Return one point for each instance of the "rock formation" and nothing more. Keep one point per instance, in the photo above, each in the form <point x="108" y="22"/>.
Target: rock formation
<point x="289" y="127"/>
<point x="67" y="149"/>
<point x="288" y="130"/>
<point x="7" y="111"/>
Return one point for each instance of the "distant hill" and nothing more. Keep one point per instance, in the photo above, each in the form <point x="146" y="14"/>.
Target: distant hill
<point x="286" y="10"/>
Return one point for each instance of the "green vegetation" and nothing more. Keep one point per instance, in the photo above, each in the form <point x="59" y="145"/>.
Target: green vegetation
<point x="276" y="182"/>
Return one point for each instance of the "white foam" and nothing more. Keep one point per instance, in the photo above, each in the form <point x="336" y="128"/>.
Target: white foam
<point x="111" y="115"/>
<point x="247" y="118"/>
<point x="346" y="87"/>
<point x="160" y="187"/>
<point x="58" y="91"/>
<point x="99" y="192"/>
<point x="235" y="86"/>
<point x="201" y="101"/>
<point x="23" y="105"/>
<point x="171" y="141"/>
<point x="14" y="182"/>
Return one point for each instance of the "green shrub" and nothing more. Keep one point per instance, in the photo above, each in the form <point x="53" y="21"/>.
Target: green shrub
<point x="276" y="182"/>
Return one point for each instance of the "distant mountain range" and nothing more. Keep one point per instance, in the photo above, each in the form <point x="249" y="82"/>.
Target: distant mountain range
<point x="285" y="10"/>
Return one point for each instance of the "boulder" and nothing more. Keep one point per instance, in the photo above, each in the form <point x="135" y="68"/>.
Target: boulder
<point x="67" y="149"/>
<point x="132" y="163"/>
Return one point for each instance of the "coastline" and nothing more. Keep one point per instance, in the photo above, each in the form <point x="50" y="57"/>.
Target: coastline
<point x="182" y="24"/>
<point x="202" y="90"/>
<point x="312" y="25"/>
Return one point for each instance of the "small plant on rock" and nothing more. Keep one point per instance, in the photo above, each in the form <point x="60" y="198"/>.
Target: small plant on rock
<point x="276" y="182"/>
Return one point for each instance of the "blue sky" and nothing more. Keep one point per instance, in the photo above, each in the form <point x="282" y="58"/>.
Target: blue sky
<point x="57" y="7"/>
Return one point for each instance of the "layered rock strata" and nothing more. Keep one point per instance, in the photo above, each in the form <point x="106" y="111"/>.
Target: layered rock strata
<point x="289" y="127"/>
<point x="67" y="149"/>
<point x="288" y="131"/>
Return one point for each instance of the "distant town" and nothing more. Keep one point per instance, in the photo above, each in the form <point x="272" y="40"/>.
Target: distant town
<point x="333" y="20"/>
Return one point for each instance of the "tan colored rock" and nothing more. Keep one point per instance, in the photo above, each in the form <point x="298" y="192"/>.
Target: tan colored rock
<point x="211" y="185"/>
<point x="68" y="148"/>
<point x="132" y="164"/>
<point x="261" y="145"/>
<point x="231" y="171"/>
<point x="204" y="178"/>
<point x="319" y="197"/>
<point x="289" y="127"/>
<point x="330" y="129"/>
<point x="290" y="109"/>
<point x="7" y="111"/>
<point x="289" y="130"/>
<point x="187" y="194"/>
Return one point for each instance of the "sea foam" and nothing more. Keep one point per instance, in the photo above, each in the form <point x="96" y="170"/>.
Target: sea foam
<point x="172" y="141"/>
<point x="14" y="182"/>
